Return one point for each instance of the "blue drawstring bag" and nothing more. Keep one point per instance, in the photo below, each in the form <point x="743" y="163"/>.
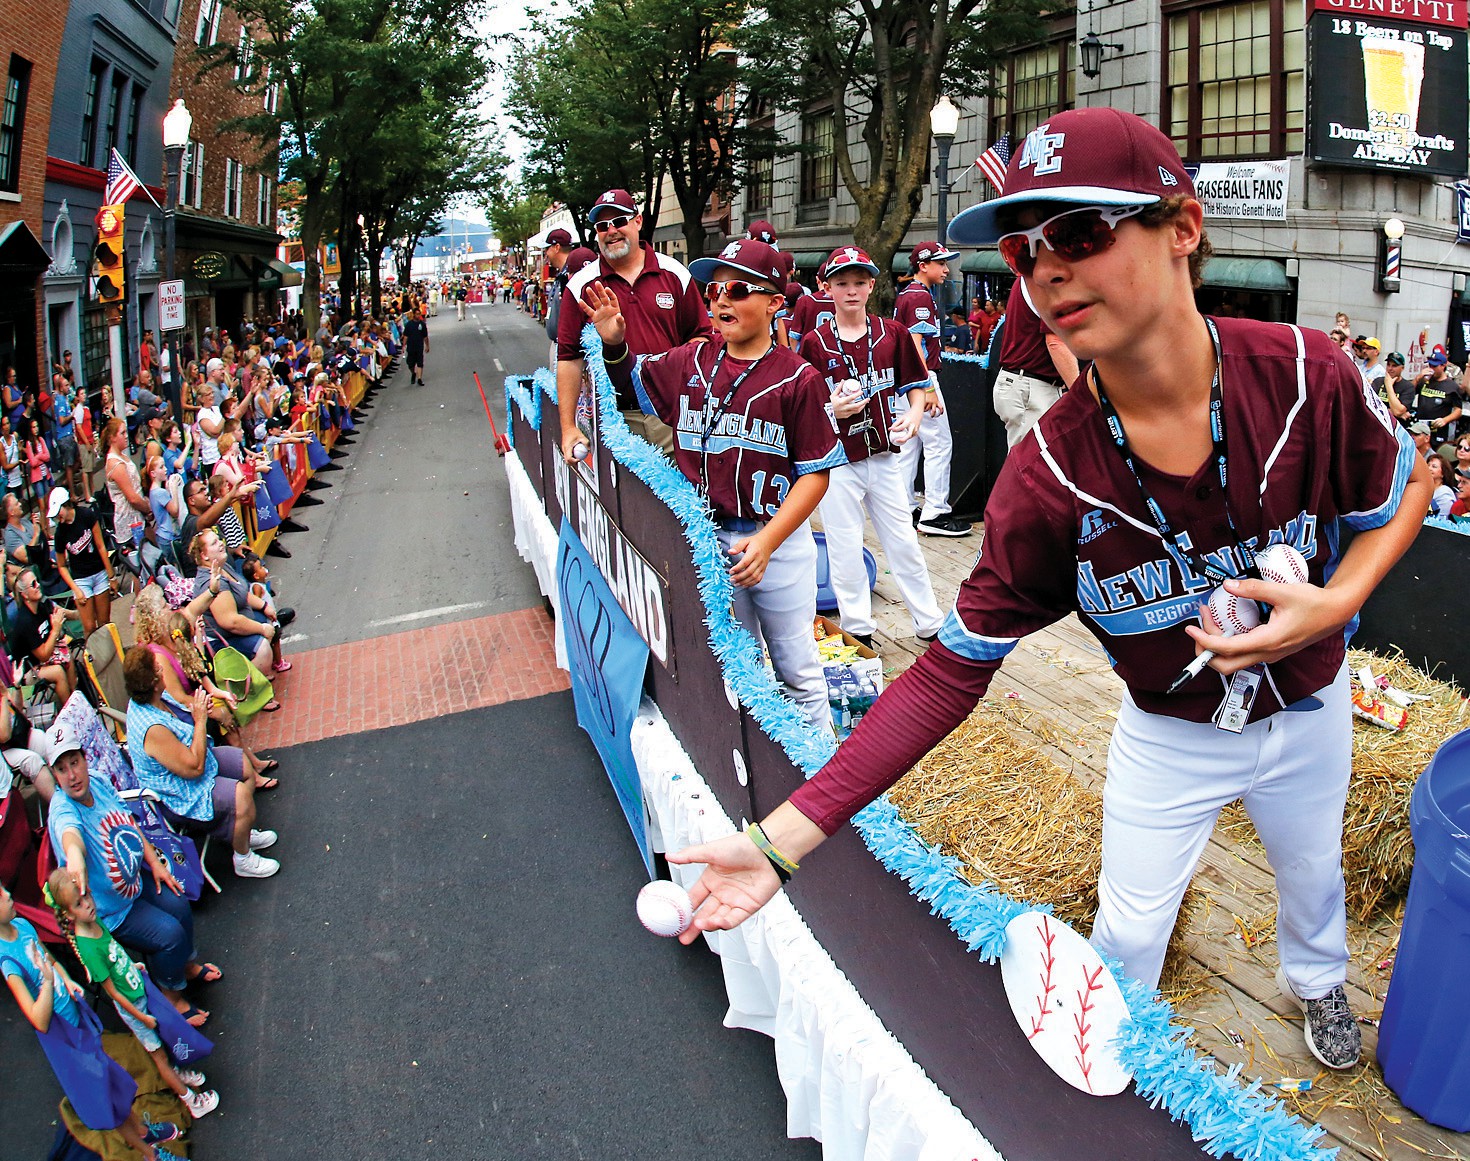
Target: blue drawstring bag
<point x="181" y="1040"/>
<point x="316" y="454"/>
<point x="266" y="516"/>
<point x="179" y="853"/>
<point x="98" y="1087"/>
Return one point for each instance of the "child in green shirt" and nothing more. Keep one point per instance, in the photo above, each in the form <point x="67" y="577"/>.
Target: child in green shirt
<point x="110" y="966"/>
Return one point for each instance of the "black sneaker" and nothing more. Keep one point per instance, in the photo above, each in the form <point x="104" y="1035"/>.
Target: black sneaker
<point x="945" y="525"/>
<point x="1330" y="1030"/>
<point x="917" y="513"/>
<point x="863" y="638"/>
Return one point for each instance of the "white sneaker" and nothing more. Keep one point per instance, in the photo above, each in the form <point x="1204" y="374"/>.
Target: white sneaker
<point x="199" y="1103"/>
<point x="254" y="866"/>
<point x="261" y="839"/>
<point x="191" y="1076"/>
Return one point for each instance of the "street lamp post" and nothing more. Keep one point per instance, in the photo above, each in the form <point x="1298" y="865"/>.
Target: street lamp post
<point x="177" y="123"/>
<point x="944" y="122"/>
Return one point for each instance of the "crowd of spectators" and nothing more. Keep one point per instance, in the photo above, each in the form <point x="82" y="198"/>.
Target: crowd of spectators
<point x="140" y="526"/>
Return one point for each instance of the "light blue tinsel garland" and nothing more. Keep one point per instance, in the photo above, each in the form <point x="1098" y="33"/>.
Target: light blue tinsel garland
<point x="1224" y="1116"/>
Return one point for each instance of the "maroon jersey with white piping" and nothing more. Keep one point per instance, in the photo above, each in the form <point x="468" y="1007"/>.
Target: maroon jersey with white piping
<point x="894" y="370"/>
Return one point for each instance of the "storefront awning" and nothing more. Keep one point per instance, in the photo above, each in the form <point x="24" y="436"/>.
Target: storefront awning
<point x="289" y="275"/>
<point x="20" y="250"/>
<point x="811" y="259"/>
<point x="984" y="262"/>
<point x="1265" y="274"/>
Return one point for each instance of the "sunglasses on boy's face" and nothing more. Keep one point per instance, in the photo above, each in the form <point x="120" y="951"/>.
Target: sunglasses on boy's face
<point x="1071" y="235"/>
<point x="736" y="290"/>
<point x="606" y="224"/>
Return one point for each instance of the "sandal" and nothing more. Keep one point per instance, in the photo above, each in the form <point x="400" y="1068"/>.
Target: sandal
<point x="281" y="666"/>
<point x="208" y="973"/>
<point x="268" y="765"/>
<point x="266" y="783"/>
<point x="270" y="707"/>
<point x="194" y="1017"/>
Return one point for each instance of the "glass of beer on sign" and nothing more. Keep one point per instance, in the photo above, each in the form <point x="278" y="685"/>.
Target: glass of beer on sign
<point x="1394" y="74"/>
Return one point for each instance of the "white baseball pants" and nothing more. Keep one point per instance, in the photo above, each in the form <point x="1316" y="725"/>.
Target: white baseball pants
<point x="937" y="444"/>
<point x="780" y="610"/>
<point x="1167" y="780"/>
<point x="1020" y="401"/>
<point x="874" y="485"/>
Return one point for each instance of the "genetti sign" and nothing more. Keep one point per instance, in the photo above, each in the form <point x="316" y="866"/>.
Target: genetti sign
<point x="1388" y="84"/>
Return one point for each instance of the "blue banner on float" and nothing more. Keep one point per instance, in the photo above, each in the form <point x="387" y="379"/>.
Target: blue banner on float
<point x="607" y="658"/>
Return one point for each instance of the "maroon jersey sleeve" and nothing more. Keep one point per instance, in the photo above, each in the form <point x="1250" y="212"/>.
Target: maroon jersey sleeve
<point x="914" y="309"/>
<point x="571" y="320"/>
<point x="811" y="435"/>
<point x="693" y="314"/>
<point x="909" y="371"/>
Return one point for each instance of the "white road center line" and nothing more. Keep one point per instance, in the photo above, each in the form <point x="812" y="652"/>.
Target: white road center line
<point x="498" y="367"/>
<point x="425" y="614"/>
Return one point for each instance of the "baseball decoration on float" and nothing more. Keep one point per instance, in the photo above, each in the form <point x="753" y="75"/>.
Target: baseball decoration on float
<point x="1066" y="1002"/>
<point x="665" y="908"/>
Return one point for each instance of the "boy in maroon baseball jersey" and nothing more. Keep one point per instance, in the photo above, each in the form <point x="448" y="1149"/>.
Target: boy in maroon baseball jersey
<point x="877" y="382"/>
<point x="752" y="433"/>
<point x="810" y="309"/>
<point x="1119" y="507"/>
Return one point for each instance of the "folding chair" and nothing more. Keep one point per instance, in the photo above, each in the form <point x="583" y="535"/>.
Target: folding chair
<point x="101" y="674"/>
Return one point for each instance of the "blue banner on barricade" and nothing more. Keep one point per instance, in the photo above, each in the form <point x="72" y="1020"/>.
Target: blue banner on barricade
<point x="608" y="659"/>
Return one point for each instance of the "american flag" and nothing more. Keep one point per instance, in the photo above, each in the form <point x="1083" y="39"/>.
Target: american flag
<point x="122" y="182"/>
<point x="994" y="160"/>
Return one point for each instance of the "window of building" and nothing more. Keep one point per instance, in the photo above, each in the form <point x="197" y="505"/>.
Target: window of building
<point x="116" y="95"/>
<point x="1235" y="78"/>
<point x="13" y="122"/>
<point x="1031" y="86"/>
<point x="760" y="167"/>
<point x="234" y="175"/>
<point x="191" y="180"/>
<point x="87" y="154"/>
<point x="135" y="107"/>
<point x="262" y="200"/>
<point x="243" y="52"/>
<point x="819" y="157"/>
<point x="207" y="29"/>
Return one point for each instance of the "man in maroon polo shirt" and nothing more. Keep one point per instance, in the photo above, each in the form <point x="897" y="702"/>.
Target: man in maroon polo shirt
<point x="659" y="300"/>
<point x="1035" y="367"/>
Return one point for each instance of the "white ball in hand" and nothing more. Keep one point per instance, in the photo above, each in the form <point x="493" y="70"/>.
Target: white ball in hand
<point x="665" y="908"/>
<point x="1233" y="614"/>
<point x="1282" y="564"/>
<point x="580" y="451"/>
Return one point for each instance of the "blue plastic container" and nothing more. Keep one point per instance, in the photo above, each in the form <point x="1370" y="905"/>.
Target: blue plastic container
<point x="1424" y="1038"/>
<point x="826" y="598"/>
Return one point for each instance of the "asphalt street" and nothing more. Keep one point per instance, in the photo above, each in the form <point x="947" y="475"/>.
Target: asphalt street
<point x="448" y="964"/>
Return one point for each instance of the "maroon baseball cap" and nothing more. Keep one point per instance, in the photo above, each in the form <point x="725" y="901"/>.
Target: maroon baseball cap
<point x="614" y="202"/>
<point x="749" y="256"/>
<point x="788" y="263"/>
<point x="1090" y="157"/>
<point x="849" y="258"/>
<point x="762" y="231"/>
<point x="558" y="238"/>
<point x="930" y="252"/>
<point x="577" y="259"/>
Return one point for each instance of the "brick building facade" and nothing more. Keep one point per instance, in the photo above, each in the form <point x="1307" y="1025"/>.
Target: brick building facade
<point x="30" y="42"/>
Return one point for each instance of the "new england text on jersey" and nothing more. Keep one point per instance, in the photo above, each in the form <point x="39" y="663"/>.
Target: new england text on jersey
<point x="732" y="431"/>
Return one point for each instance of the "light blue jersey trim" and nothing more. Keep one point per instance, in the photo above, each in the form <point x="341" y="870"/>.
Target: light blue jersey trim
<point x="958" y="639"/>
<point x="644" y="401"/>
<point x="833" y="459"/>
<point x="1381" y="515"/>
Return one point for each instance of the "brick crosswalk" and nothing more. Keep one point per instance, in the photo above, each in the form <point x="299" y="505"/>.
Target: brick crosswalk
<point x="410" y="676"/>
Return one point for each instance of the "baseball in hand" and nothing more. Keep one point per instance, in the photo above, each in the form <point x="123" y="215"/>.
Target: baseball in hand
<point x="1233" y="614"/>
<point x="1282" y="564"/>
<point x="665" y="908"/>
<point x="580" y="451"/>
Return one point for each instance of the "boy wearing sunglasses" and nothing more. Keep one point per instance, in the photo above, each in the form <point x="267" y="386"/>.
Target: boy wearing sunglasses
<point x="877" y="381"/>
<point x="1118" y="506"/>
<point x="753" y="435"/>
<point x="660" y="303"/>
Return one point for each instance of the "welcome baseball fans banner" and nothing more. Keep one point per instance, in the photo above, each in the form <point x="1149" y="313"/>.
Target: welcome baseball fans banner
<point x="1388" y="82"/>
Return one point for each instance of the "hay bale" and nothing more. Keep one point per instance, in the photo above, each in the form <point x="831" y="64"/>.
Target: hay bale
<point x="1377" y="847"/>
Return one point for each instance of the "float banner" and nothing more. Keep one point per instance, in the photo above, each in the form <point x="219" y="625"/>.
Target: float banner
<point x="1388" y="94"/>
<point x="1462" y="211"/>
<point x="1446" y="13"/>
<point x="608" y="659"/>
<point x="1255" y="190"/>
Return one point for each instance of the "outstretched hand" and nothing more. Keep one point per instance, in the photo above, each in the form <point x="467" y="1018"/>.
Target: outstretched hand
<point x="602" y="308"/>
<point x="737" y="882"/>
<point x="1300" y="615"/>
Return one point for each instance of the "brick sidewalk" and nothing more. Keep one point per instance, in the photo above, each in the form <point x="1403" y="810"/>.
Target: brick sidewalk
<point x="410" y="676"/>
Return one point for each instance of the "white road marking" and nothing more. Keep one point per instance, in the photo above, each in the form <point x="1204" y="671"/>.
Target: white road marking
<point x="426" y="614"/>
<point x="292" y="638"/>
<point x="498" y="367"/>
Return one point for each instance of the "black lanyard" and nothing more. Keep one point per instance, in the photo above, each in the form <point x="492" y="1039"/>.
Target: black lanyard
<point x="1217" y="452"/>
<point x="713" y="416"/>
<point x="852" y="370"/>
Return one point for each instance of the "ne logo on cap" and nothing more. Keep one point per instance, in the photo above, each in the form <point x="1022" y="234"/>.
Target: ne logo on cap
<point x="851" y="255"/>
<point x="730" y="251"/>
<point x="1042" y="150"/>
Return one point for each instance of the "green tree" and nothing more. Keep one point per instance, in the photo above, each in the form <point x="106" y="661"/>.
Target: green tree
<point x="515" y="215"/>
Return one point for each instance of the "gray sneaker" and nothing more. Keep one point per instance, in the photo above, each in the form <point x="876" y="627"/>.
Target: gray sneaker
<point x="1330" y="1030"/>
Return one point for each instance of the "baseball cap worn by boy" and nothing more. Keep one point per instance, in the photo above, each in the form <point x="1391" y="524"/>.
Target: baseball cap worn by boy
<point x="762" y="231"/>
<point x="849" y="258"/>
<point x="1438" y="359"/>
<point x="58" y="500"/>
<point x="577" y="259"/>
<point x="747" y="255"/>
<point x="61" y="738"/>
<point x="1083" y="157"/>
<point x="611" y="204"/>
<point x="931" y="252"/>
<point x="558" y="238"/>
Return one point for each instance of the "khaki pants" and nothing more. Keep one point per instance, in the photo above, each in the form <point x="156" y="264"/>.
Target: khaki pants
<point x="651" y="428"/>
<point x="1020" y="401"/>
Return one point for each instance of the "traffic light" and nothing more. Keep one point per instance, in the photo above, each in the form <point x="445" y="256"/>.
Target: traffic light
<point x="107" y="259"/>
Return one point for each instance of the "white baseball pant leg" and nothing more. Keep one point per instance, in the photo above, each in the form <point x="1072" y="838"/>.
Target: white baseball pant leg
<point x="1020" y="401"/>
<point x="936" y="443"/>
<point x="780" y="610"/>
<point x="1168" y="779"/>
